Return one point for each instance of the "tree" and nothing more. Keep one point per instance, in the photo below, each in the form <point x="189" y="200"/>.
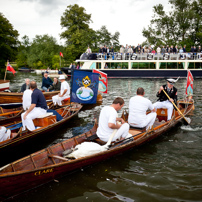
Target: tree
<point x="23" y="52"/>
<point x="8" y="41"/>
<point x="180" y="26"/>
<point x="42" y="51"/>
<point x="77" y="32"/>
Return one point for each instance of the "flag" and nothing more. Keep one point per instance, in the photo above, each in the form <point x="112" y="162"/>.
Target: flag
<point x="61" y="54"/>
<point x="84" y="87"/>
<point x="189" y="87"/>
<point x="10" y="68"/>
<point x="102" y="81"/>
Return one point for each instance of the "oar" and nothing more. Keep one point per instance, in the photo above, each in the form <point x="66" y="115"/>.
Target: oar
<point x="177" y="109"/>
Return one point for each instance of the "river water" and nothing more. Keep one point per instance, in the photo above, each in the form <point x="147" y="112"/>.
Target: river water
<point x="167" y="169"/>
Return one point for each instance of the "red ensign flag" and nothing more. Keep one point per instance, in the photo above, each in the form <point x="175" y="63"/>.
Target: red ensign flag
<point x="10" y="68"/>
<point x="61" y="54"/>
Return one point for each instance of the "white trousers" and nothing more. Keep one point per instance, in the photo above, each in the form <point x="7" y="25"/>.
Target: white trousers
<point x="122" y="132"/>
<point x="148" y="122"/>
<point x="36" y="112"/>
<point x="58" y="100"/>
<point x="165" y="104"/>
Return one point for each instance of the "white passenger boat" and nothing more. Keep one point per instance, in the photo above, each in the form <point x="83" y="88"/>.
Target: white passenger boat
<point x="145" y="65"/>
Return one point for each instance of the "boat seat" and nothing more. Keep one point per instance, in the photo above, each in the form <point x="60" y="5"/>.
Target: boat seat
<point x="66" y="101"/>
<point x="45" y="120"/>
<point x="95" y="138"/>
<point x="137" y="128"/>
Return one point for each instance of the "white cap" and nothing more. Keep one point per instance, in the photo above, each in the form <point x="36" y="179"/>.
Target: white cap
<point x="172" y="81"/>
<point x="62" y="77"/>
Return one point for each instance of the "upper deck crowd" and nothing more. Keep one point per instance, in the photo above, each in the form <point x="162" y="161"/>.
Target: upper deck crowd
<point x="137" y="52"/>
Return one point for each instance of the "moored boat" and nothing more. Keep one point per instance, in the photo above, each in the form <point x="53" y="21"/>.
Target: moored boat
<point x="4" y="85"/>
<point x="13" y="97"/>
<point x="50" y="163"/>
<point x="43" y="125"/>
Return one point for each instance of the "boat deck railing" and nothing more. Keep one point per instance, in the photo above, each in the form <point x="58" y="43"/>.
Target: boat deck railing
<point x="141" y="56"/>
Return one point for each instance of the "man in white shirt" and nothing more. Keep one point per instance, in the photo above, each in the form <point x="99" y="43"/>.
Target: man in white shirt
<point x="138" y="105"/>
<point x="108" y="122"/>
<point x="64" y="91"/>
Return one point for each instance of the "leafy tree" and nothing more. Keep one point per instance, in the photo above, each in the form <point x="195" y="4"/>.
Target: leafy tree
<point x="42" y="50"/>
<point x="77" y="32"/>
<point x="23" y="52"/>
<point x="180" y="26"/>
<point x="8" y="41"/>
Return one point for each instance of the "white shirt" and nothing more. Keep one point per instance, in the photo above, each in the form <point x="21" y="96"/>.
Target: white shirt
<point x="64" y="85"/>
<point x="27" y="99"/>
<point x="107" y="115"/>
<point x="138" y="106"/>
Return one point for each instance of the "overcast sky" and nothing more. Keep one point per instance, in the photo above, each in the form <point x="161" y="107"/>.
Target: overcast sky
<point x="39" y="17"/>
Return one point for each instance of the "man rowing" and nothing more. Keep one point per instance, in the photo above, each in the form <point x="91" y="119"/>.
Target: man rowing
<point x="38" y="107"/>
<point x="163" y="101"/>
<point x="108" y="122"/>
<point x="138" y="106"/>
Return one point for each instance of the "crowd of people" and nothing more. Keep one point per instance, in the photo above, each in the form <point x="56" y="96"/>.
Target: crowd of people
<point x="34" y="104"/>
<point x="138" y="117"/>
<point x="148" y="49"/>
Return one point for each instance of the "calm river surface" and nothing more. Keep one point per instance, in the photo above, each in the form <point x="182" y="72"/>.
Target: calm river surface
<point x="167" y="169"/>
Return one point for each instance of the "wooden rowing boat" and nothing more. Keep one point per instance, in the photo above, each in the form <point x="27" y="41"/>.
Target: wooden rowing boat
<point x="44" y="125"/>
<point x="48" y="164"/>
<point x="14" y="114"/>
<point x="11" y="97"/>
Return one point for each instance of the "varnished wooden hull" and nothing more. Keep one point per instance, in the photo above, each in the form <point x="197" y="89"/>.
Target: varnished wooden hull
<point x="7" y="97"/>
<point x="29" y="135"/>
<point x="39" y="168"/>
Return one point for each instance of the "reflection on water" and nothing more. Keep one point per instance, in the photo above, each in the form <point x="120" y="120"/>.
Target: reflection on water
<point x="167" y="169"/>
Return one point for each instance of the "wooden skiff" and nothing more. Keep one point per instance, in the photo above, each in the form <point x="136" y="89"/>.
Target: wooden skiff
<point x="44" y="125"/>
<point x="48" y="164"/>
<point x="8" y="97"/>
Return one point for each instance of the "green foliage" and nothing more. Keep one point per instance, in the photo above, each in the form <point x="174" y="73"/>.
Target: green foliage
<point x="79" y="35"/>
<point x="56" y="61"/>
<point x="8" y="41"/>
<point x="180" y="26"/>
<point x="42" y="51"/>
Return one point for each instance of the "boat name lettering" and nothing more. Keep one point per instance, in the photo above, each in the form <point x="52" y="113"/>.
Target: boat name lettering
<point x="40" y="172"/>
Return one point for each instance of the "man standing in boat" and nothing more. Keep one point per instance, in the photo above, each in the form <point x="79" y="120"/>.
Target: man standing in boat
<point x="163" y="101"/>
<point x="138" y="106"/>
<point x="38" y="107"/>
<point x="108" y="122"/>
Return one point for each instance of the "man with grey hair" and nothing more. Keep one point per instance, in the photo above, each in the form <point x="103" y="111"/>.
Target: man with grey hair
<point x="25" y="86"/>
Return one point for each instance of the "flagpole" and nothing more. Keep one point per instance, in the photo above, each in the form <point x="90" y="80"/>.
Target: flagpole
<point x="5" y="71"/>
<point x="60" y="62"/>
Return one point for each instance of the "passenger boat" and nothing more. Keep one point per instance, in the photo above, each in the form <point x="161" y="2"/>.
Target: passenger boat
<point x="50" y="163"/>
<point x="4" y="85"/>
<point x="26" y="69"/>
<point x="44" y="125"/>
<point x="144" y="65"/>
<point x="13" y="97"/>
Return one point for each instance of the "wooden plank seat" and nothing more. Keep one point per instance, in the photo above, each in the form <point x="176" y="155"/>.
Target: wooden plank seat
<point x="45" y="120"/>
<point x="65" y="101"/>
<point x="138" y="129"/>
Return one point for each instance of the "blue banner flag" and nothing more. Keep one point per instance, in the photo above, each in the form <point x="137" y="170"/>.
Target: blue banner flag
<point x="84" y="87"/>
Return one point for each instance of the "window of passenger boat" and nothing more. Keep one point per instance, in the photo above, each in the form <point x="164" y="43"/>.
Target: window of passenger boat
<point x="98" y="65"/>
<point x="143" y="65"/>
<point x="197" y="65"/>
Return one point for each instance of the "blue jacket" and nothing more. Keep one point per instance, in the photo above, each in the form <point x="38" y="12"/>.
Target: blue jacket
<point x="46" y="82"/>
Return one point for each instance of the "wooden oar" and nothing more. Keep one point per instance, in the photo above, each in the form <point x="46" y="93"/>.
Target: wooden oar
<point x="177" y="108"/>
